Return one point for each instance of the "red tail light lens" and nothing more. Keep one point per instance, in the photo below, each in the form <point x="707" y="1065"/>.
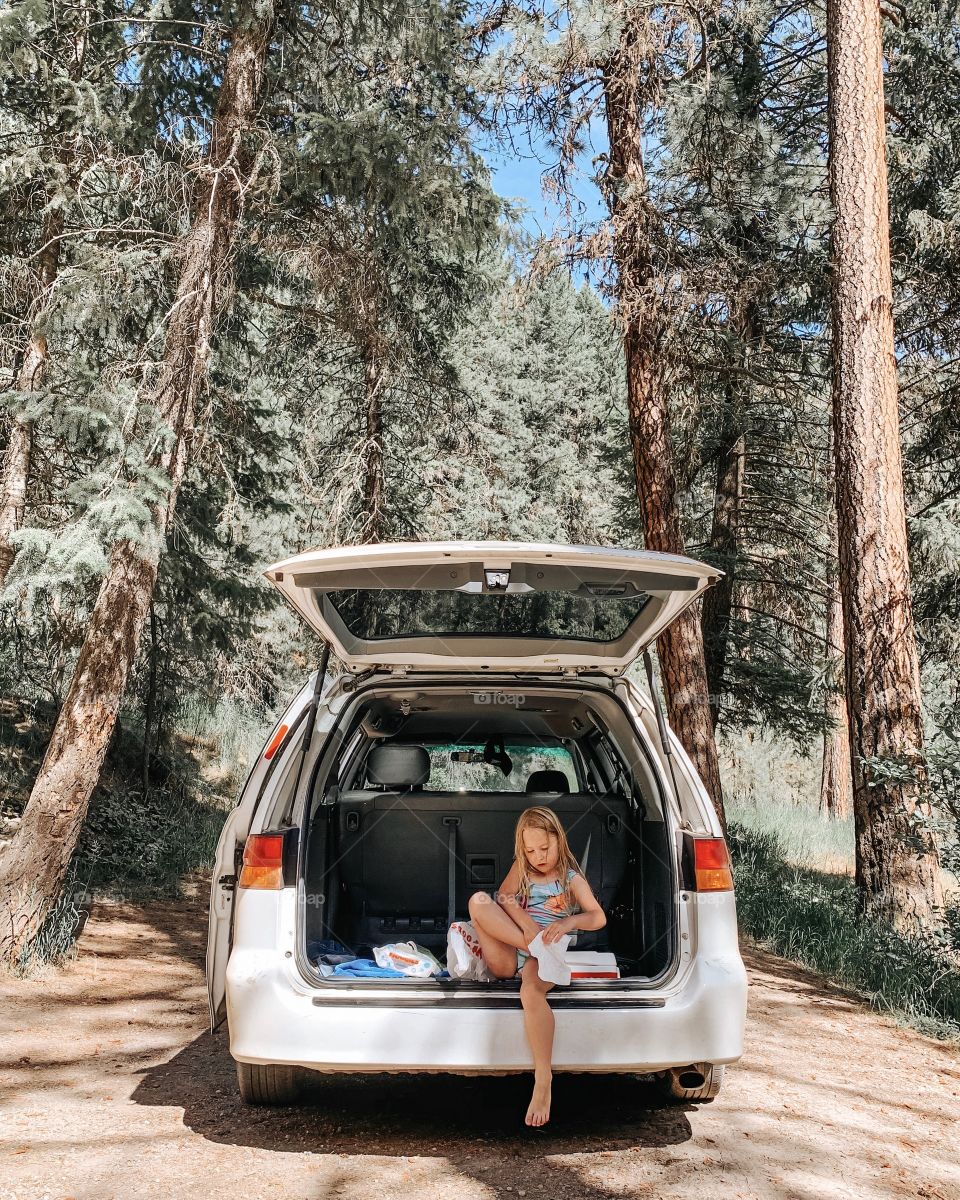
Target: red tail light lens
<point x="275" y="742"/>
<point x="262" y="862"/>
<point x="711" y="865"/>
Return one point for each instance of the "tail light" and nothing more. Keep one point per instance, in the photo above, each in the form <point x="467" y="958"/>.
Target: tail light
<point x="263" y="861"/>
<point x="712" y="871"/>
<point x="275" y="742"/>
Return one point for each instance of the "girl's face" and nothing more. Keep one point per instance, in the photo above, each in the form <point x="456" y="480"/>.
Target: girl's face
<point x="542" y="850"/>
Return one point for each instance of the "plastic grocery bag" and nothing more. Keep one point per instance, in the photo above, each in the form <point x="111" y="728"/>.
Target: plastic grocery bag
<point x="464" y="956"/>
<point x="409" y="958"/>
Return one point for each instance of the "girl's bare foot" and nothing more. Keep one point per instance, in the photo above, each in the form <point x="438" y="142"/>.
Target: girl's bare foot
<point x="539" y="1111"/>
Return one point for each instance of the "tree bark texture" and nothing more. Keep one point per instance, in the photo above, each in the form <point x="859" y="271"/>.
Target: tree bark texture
<point x="29" y="378"/>
<point x="36" y="862"/>
<point x="897" y="874"/>
<point x="725" y="545"/>
<point x="835" y="799"/>
<point x="374" y="483"/>
<point x="680" y="648"/>
<point x="746" y="323"/>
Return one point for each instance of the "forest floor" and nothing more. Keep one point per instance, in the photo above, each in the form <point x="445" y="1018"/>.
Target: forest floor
<point x="112" y="1086"/>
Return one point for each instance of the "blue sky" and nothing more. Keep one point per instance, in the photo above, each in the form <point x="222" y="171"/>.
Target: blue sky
<point x="517" y="175"/>
<point x="519" y="178"/>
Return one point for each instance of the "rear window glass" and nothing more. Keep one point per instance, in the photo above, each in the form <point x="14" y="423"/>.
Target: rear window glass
<point x="449" y="775"/>
<point x="382" y="613"/>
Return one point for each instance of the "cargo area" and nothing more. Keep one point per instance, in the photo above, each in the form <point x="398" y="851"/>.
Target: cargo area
<point x="416" y="801"/>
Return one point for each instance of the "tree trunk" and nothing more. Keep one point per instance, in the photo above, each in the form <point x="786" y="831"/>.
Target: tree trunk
<point x="16" y="459"/>
<point x="724" y="544"/>
<point x="374" y="485"/>
<point x="835" y="789"/>
<point x="680" y="648"/>
<point x="37" y="860"/>
<point x="150" y="703"/>
<point x="745" y="322"/>
<point x="896" y="880"/>
<point x="835" y="776"/>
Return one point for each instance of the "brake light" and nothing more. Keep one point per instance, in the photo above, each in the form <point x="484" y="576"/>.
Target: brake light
<point x="276" y="741"/>
<point x="711" y="865"/>
<point x="262" y="861"/>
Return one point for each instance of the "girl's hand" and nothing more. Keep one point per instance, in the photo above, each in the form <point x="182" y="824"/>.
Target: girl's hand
<point x="556" y="930"/>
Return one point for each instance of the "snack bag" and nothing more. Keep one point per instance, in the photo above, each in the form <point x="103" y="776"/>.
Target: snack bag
<point x="464" y="956"/>
<point x="409" y="958"/>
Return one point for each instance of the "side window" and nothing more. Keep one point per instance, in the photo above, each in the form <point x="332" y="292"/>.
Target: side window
<point x="348" y="758"/>
<point x="612" y="766"/>
<point x="598" y="774"/>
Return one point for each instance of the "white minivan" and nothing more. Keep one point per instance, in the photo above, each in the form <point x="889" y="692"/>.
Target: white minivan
<point x="479" y="678"/>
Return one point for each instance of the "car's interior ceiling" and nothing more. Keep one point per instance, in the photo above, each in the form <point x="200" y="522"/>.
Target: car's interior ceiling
<point x="420" y="717"/>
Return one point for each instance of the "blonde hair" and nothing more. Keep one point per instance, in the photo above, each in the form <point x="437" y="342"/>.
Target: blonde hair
<point x="547" y="820"/>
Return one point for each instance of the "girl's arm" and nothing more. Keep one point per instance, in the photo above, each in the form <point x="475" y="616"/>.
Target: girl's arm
<point x="591" y="915"/>
<point x="506" y="897"/>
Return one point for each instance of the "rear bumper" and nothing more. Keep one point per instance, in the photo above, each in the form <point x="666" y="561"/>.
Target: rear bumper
<point x="276" y="1017"/>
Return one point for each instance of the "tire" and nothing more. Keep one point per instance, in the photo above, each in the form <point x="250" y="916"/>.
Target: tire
<point x="270" y="1083"/>
<point x="672" y="1083"/>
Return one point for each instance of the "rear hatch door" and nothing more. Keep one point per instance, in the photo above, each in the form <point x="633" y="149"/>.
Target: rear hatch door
<point x="489" y="606"/>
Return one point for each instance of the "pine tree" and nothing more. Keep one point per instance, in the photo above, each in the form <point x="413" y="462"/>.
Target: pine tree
<point x="558" y="67"/>
<point x="36" y="863"/>
<point x="626" y="81"/>
<point x="52" y="96"/>
<point x="923" y="112"/>
<point x="895" y="880"/>
<point x="527" y="454"/>
<point x="737" y="166"/>
<point x="349" y="200"/>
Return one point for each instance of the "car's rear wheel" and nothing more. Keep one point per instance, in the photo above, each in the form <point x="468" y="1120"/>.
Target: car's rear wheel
<point x="269" y="1083"/>
<point x="699" y="1082"/>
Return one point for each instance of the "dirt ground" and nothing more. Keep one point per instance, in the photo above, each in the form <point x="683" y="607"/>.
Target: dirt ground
<point x="111" y="1086"/>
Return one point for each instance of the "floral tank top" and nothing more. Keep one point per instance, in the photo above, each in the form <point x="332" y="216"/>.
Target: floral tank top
<point x="547" y="903"/>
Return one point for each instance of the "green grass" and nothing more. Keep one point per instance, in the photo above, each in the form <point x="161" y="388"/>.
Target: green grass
<point x="796" y="895"/>
<point x="138" y="842"/>
<point x="231" y="735"/>
<point x="807" y="838"/>
<point x="56" y="941"/>
<point x="770" y="788"/>
<point x="811" y="917"/>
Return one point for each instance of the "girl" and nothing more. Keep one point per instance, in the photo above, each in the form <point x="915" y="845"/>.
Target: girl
<point x="544" y="890"/>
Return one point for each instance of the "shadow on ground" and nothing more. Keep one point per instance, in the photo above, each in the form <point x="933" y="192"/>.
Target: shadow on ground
<point x="395" y="1115"/>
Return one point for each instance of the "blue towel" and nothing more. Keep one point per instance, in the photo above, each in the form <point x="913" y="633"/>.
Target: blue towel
<point x="365" y="968"/>
<point x="326" y="946"/>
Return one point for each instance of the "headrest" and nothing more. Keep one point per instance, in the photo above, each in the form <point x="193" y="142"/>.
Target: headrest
<point x="394" y="766"/>
<point x="547" y="781"/>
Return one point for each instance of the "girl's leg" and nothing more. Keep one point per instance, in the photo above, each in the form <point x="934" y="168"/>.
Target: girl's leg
<point x="539" y="1022"/>
<point x="500" y="936"/>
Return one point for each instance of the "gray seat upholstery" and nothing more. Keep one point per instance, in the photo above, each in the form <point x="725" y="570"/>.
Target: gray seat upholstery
<point x="395" y="766"/>
<point x="394" y="851"/>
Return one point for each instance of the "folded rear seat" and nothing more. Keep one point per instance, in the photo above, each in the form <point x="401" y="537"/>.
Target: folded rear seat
<point x="409" y="857"/>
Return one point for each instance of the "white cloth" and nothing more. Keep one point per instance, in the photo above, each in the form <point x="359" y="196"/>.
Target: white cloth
<point x="550" y="959"/>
